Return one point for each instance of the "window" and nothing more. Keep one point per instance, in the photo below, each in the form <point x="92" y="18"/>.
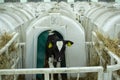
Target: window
<point x="81" y="0"/>
<point x="107" y="0"/>
<point x="12" y="0"/>
<point x="35" y="0"/>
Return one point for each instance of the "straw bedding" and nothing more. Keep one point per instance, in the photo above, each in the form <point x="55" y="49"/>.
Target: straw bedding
<point x="4" y="38"/>
<point x="111" y="44"/>
<point x="6" y="59"/>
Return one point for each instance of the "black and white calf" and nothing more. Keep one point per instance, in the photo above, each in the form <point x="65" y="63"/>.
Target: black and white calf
<point x="55" y="51"/>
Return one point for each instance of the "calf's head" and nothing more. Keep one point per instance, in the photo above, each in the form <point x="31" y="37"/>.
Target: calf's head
<point x="58" y="46"/>
<point x="61" y="46"/>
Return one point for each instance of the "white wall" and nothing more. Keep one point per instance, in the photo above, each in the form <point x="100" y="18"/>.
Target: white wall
<point x="118" y="1"/>
<point x="47" y="0"/>
<point x="23" y="1"/>
<point x="94" y="0"/>
<point x="70" y="0"/>
<point x="1" y="1"/>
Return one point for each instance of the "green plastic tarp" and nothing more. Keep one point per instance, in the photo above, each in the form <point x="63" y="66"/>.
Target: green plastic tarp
<point x="41" y="44"/>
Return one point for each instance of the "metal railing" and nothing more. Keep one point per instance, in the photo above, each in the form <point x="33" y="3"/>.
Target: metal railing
<point x="47" y="71"/>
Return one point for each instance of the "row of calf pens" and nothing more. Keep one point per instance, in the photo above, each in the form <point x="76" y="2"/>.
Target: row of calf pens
<point x="104" y="62"/>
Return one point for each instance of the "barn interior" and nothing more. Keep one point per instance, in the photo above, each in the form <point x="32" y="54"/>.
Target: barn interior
<point x="92" y="25"/>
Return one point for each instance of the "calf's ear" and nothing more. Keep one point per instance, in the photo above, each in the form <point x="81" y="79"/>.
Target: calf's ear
<point x="50" y="45"/>
<point x="69" y="43"/>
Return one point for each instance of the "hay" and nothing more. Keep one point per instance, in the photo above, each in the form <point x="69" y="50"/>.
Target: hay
<point x="12" y="47"/>
<point x="8" y="77"/>
<point x="112" y="45"/>
<point x="106" y="58"/>
<point x="91" y="76"/>
<point x="5" y="60"/>
<point x="21" y="77"/>
<point x="118" y="72"/>
<point x="4" y="38"/>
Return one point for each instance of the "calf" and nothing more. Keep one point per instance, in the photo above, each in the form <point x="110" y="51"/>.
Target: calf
<point x="55" y="51"/>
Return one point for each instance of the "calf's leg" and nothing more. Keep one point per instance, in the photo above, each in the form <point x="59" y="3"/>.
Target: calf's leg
<point x="59" y="75"/>
<point x="50" y="62"/>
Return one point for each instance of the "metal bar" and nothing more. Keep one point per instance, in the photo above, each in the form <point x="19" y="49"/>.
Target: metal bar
<point x="50" y="70"/>
<point x="112" y="61"/>
<point x="20" y="52"/>
<point x="14" y="77"/>
<point x="100" y="75"/>
<point x="15" y="63"/>
<point x="46" y="76"/>
<point x="89" y="43"/>
<point x="20" y="56"/>
<point x="21" y="44"/>
<point x="78" y="76"/>
<point x="108" y="76"/>
<point x="113" y="68"/>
